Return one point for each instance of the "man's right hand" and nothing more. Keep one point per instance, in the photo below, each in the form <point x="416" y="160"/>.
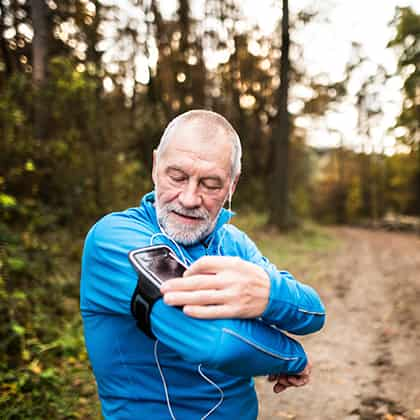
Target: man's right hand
<point x="283" y="381"/>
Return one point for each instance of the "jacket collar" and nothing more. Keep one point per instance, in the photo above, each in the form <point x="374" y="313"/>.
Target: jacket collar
<point x="148" y="204"/>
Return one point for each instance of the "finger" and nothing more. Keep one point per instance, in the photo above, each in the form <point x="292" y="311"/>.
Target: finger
<point x="283" y="380"/>
<point x="210" y="311"/>
<point x="279" y="388"/>
<point x="308" y="368"/>
<point x="305" y="372"/>
<point x="271" y="378"/>
<point x="298" y="380"/>
<point x="199" y="282"/>
<point x="209" y="264"/>
<point x="196" y="297"/>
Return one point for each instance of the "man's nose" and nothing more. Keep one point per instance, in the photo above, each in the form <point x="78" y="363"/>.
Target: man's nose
<point x="190" y="196"/>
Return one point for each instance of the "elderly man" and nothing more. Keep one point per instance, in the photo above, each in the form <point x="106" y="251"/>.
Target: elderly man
<point x="216" y="327"/>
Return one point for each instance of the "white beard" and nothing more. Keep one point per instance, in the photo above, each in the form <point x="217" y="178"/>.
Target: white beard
<point x="182" y="233"/>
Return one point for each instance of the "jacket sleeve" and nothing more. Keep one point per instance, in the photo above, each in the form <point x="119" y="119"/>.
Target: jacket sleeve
<point x="234" y="346"/>
<point x="293" y="306"/>
<point x="237" y="347"/>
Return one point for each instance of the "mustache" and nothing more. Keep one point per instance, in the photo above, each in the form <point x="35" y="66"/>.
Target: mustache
<point x="196" y="213"/>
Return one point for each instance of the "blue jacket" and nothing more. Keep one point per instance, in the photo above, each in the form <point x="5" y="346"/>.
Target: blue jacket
<point x="197" y="368"/>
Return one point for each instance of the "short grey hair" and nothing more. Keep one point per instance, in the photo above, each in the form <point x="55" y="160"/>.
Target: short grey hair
<point x="208" y="117"/>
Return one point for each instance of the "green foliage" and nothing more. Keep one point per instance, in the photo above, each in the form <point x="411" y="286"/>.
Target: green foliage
<point x="402" y="171"/>
<point x="42" y="353"/>
<point x="407" y="44"/>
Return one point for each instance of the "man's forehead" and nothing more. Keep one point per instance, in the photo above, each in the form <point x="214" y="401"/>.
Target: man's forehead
<point x="202" y="131"/>
<point x="195" y="141"/>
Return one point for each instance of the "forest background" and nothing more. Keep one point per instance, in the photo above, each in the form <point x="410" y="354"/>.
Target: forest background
<point x="86" y="89"/>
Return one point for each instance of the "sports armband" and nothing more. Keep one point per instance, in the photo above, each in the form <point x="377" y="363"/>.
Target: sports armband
<point x="144" y="297"/>
<point x="154" y="265"/>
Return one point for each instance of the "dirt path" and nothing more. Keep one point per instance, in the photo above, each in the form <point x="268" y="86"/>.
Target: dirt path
<point x="367" y="358"/>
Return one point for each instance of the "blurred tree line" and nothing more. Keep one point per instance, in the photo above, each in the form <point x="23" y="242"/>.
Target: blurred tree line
<point x="86" y="89"/>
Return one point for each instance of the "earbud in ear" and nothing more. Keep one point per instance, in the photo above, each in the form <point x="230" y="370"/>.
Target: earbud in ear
<point x="230" y="197"/>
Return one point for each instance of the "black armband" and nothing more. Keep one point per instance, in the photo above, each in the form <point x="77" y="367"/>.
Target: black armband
<point x="154" y="265"/>
<point x="144" y="297"/>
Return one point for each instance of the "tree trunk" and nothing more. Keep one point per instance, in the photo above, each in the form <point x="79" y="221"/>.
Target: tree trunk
<point x="279" y="190"/>
<point x="8" y="62"/>
<point x="156" y="83"/>
<point x="39" y="63"/>
<point x="183" y="89"/>
<point x="417" y="186"/>
<point x="417" y="146"/>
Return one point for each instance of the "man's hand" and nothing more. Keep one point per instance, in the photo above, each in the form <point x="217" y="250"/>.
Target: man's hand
<point x="283" y="381"/>
<point x="220" y="287"/>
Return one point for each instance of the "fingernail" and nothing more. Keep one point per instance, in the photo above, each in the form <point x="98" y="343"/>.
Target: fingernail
<point x="168" y="299"/>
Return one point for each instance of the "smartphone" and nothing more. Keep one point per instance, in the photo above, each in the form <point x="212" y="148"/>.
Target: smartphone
<point x="157" y="263"/>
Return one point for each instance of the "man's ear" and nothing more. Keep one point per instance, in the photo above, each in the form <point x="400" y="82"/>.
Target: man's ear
<point x="234" y="184"/>
<point x="154" y="167"/>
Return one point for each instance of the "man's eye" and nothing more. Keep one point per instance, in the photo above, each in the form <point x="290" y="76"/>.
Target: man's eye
<point x="178" y="178"/>
<point x="212" y="187"/>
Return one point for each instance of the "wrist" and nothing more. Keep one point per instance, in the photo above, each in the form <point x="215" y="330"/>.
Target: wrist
<point x="264" y="289"/>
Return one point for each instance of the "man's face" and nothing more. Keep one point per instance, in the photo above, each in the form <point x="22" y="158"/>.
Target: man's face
<point x="192" y="177"/>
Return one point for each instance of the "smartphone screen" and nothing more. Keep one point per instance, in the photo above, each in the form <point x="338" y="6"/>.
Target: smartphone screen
<point x="159" y="261"/>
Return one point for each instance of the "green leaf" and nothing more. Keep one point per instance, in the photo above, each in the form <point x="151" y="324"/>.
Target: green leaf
<point x="19" y="295"/>
<point x="16" y="264"/>
<point x="7" y="200"/>
<point x="29" y="166"/>
<point x="18" y="329"/>
<point x="48" y="373"/>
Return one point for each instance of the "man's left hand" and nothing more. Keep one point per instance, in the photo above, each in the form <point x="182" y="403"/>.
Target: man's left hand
<point x="283" y="381"/>
<point x="220" y="287"/>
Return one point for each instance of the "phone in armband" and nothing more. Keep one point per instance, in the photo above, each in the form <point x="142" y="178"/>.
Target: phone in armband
<point x="154" y="265"/>
<point x="157" y="264"/>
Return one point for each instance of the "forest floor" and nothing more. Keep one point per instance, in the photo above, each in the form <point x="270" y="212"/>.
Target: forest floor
<point x="366" y="360"/>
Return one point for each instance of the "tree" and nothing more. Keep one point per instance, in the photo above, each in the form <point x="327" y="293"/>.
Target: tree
<point x="39" y="63"/>
<point x="279" y="205"/>
<point x="407" y="43"/>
